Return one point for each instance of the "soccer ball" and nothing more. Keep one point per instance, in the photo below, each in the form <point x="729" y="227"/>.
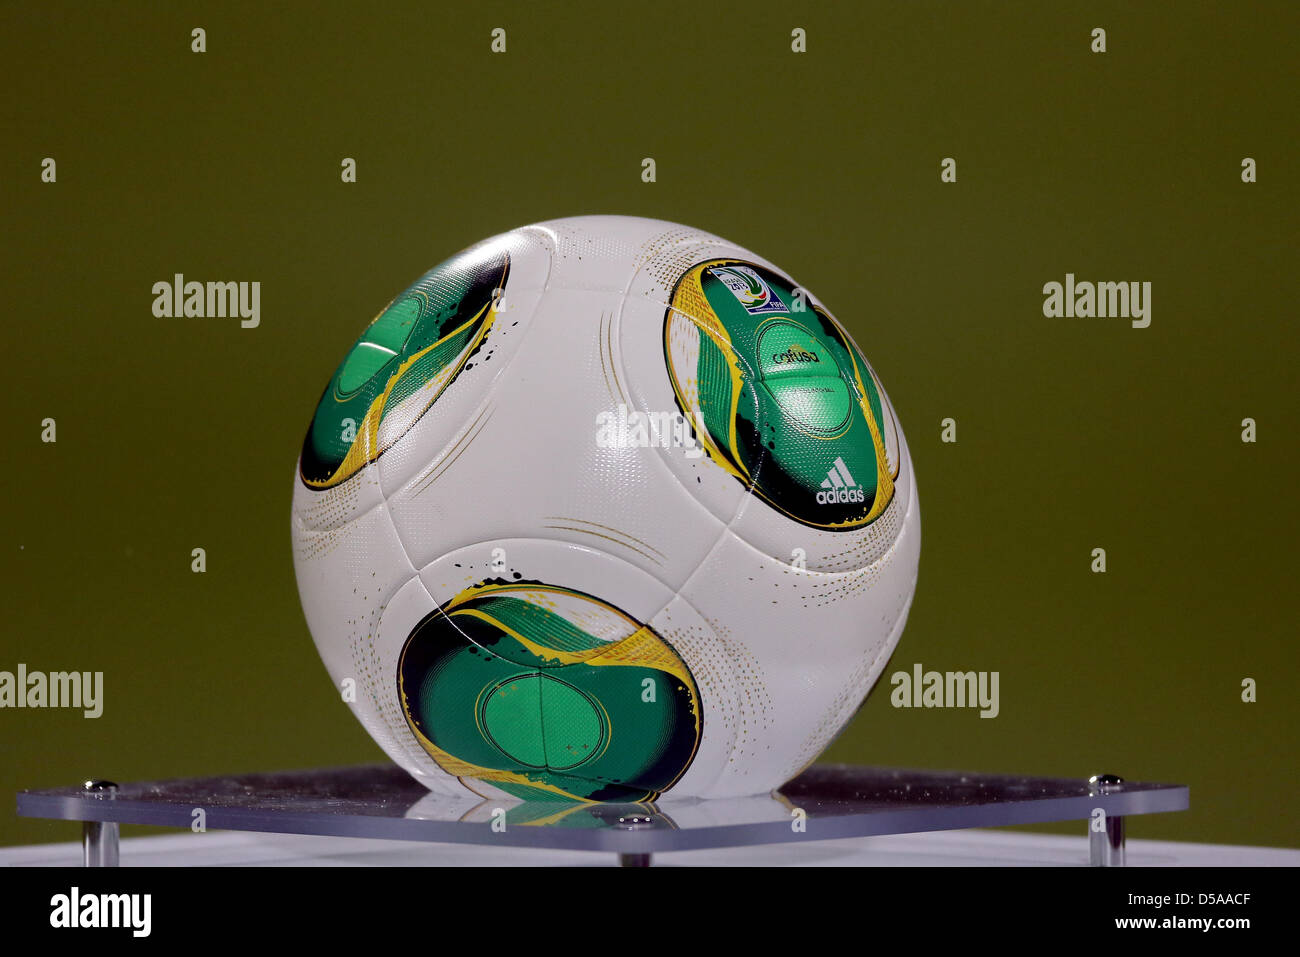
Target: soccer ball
<point x="604" y="508"/>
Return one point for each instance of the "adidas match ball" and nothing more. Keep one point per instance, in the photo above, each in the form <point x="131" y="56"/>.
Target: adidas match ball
<point x="605" y="509"/>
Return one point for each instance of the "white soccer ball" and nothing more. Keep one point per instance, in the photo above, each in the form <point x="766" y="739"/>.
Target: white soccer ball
<point x="603" y="508"/>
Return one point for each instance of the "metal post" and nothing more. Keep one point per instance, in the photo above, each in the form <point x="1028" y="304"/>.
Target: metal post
<point x="1106" y="847"/>
<point x="635" y="822"/>
<point x="99" y="839"/>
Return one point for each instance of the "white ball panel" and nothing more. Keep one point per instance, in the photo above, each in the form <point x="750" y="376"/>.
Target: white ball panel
<point x="530" y="461"/>
<point x="819" y="640"/>
<point x="418" y="432"/>
<point x="323" y="510"/>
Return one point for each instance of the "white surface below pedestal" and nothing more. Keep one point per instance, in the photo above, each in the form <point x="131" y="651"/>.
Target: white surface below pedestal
<point x="933" y="849"/>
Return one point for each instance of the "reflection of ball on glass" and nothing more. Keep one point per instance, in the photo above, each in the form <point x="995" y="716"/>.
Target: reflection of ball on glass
<point x="604" y="508"/>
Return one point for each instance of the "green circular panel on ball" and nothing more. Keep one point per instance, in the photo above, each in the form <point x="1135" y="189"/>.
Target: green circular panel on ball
<point x="543" y="723"/>
<point x="544" y="691"/>
<point x="777" y="394"/>
<point x="419" y="343"/>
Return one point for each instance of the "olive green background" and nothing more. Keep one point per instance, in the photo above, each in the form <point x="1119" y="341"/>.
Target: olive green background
<point x="1072" y="433"/>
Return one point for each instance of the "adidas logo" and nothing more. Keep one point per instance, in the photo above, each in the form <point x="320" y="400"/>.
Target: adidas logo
<point x="840" y="486"/>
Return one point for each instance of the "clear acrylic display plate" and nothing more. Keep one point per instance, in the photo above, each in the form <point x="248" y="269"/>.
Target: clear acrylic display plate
<point x="383" y="801"/>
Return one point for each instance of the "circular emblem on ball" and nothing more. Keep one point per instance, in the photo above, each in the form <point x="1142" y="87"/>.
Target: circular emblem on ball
<point x="546" y="691"/>
<point x="777" y="394"/>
